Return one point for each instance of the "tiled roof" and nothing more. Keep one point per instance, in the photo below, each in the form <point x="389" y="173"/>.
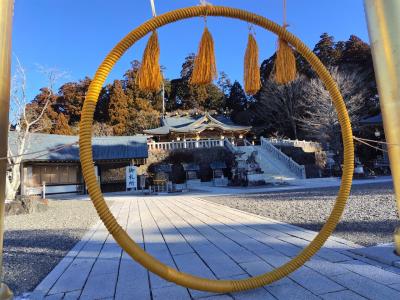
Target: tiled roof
<point x="104" y="148"/>
<point x="195" y="125"/>
<point x="375" y="120"/>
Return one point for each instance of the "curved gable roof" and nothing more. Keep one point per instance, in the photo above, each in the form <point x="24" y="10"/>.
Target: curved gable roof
<point x="193" y="125"/>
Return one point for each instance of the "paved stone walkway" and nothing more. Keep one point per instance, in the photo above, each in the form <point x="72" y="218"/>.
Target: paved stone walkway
<point x="213" y="241"/>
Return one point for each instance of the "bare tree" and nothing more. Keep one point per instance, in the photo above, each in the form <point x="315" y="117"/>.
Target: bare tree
<point x="279" y="106"/>
<point x="102" y="129"/>
<point x="25" y="121"/>
<point x="319" y="120"/>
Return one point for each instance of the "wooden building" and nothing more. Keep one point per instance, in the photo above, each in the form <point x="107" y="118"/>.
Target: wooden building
<point x="53" y="161"/>
<point x="381" y="163"/>
<point x="197" y="128"/>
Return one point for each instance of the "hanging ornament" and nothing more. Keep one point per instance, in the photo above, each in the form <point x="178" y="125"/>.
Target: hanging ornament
<point x="285" y="62"/>
<point x="149" y="77"/>
<point x="204" y="69"/>
<point x="252" y="81"/>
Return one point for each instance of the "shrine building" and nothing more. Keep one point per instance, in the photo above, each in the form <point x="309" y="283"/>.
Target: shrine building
<point x="199" y="127"/>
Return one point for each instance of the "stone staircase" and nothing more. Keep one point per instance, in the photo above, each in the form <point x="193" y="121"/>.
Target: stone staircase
<point x="276" y="166"/>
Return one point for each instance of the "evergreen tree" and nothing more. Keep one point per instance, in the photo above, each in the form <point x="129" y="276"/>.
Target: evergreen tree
<point x="133" y="92"/>
<point x="215" y="98"/>
<point x="325" y="50"/>
<point x="118" y="108"/>
<point x="267" y="67"/>
<point x="224" y="83"/>
<point x="237" y="100"/>
<point x="101" y="112"/>
<point x="187" y="67"/>
<point x="187" y="96"/>
<point x="62" y="127"/>
<point x="356" y="51"/>
<point x="183" y="94"/>
<point x="142" y="117"/>
<point x="129" y="83"/>
<point x="71" y="97"/>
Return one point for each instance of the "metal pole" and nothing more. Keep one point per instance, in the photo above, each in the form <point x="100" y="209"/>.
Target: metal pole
<point x="163" y="100"/>
<point x="6" y="12"/>
<point x="384" y="33"/>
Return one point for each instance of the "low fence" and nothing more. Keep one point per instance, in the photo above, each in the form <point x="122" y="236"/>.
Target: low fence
<point x="307" y="146"/>
<point x="189" y="144"/>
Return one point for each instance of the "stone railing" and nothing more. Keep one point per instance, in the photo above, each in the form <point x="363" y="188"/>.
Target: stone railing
<point x="305" y="145"/>
<point x="228" y="145"/>
<point x="247" y="143"/>
<point x="188" y="144"/>
<point x="297" y="169"/>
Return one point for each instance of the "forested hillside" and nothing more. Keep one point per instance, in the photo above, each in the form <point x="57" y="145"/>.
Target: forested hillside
<point x="301" y="109"/>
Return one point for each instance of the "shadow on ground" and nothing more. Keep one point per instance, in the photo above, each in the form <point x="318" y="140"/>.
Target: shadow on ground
<point x="29" y="255"/>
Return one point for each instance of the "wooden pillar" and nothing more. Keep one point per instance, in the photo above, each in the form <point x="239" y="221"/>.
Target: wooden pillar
<point x="6" y="14"/>
<point x="384" y="32"/>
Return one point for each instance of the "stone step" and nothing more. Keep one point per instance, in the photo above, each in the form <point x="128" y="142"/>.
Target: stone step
<point x="273" y="169"/>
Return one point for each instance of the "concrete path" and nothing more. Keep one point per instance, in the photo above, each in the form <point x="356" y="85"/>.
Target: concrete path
<point x="290" y="185"/>
<point x="213" y="241"/>
<point x="207" y="188"/>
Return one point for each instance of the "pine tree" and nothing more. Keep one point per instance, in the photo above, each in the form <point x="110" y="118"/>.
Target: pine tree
<point x="237" y="100"/>
<point x="62" y="127"/>
<point x="356" y="51"/>
<point x="224" y="83"/>
<point x="325" y="50"/>
<point x="118" y="108"/>
<point x="187" y="67"/>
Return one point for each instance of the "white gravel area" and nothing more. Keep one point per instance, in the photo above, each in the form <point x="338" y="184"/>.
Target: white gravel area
<point x="369" y="219"/>
<point x="35" y="243"/>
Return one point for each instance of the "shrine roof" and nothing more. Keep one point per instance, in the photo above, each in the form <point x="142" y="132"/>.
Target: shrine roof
<point x="196" y="125"/>
<point x="54" y="147"/>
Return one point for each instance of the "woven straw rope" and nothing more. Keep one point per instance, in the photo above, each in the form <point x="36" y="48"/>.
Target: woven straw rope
<point x="122" y="238"/>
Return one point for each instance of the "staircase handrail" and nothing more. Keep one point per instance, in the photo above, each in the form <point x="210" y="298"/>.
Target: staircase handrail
<point x="229" y="145"/>
<point x="294" y="143"/>
<point x="299" y="170"/>
<point x="247" y="143"/>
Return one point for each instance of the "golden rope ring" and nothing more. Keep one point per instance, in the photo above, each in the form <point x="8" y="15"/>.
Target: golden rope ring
<point x="122" y="238"/>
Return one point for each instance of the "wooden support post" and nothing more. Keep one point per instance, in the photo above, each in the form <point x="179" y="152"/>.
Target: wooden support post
<point x="6" y="13"/>
<point x="384" y="32"/>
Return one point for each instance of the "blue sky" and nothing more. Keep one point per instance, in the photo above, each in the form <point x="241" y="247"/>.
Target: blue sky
<point x="75" y="35"/>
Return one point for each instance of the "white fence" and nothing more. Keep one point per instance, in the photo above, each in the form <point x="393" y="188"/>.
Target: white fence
<point x="299" y="170"/>
<point x="307" y="146"/>
<point x="228" y="145"/>
<point x="188" y="144"/>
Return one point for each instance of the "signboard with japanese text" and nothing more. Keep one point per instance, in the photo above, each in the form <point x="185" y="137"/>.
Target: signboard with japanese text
<point x="131" y="177"/>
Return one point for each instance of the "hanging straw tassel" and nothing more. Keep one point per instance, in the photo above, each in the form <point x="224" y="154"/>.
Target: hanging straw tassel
<point x="285" y="63"/>
<point x="204" y="70"/>
<point x="252" y="81"/>
<point x="149" y="76"/>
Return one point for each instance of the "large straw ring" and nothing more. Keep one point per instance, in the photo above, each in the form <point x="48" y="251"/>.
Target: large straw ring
<point x="119" y="234"/>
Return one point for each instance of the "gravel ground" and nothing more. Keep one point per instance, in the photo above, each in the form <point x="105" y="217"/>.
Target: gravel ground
<point x="35" y="243"/>
<point x="369" y="219"/>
